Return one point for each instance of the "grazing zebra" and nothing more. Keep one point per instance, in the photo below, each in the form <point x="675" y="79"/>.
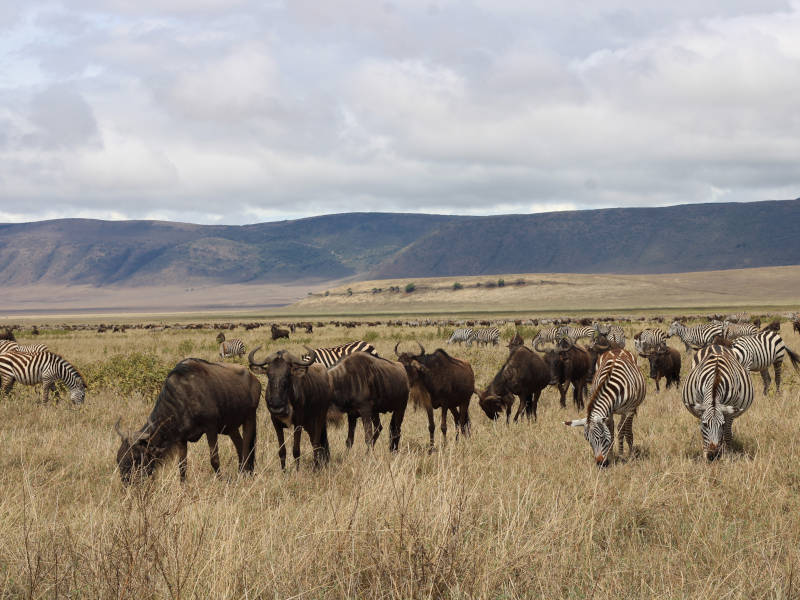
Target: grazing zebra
<point x="227" y="348"/>
<point x="547" y="335"/>
<point x="490" y="335"/>
<point x="45" y="368"/>
<point x="330" y="356"/>
<point x="698" y="335"/>
<point x="615" y="334"/>
<point x="717" y="390"/>
<point x="758" y="352"/>
<point x="575" y="333"/>
<point x="461" y="335"/>
<point x="618" y="387"/>
<point x="648" y="339"/>
<point x="731" y="331"/>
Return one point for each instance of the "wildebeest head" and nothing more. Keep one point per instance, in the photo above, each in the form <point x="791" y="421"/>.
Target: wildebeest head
<point x="516" y="342"/>
<point x="280" y="368"/>
<point x="135" y="456"/>
<point x="411" y="362"/>
<point x="657" y="359"/>
<point x="491" y="404"/>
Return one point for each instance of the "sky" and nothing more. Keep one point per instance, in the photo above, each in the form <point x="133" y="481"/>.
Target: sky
<point x="239" y="111"/>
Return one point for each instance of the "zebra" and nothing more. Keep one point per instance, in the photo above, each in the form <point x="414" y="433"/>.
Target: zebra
<point x="741" y="317"/>
<point x="576" y="333"/>
<point x="615" y="334"/>
<point x="717" y="391"/>
<point x="32" y="348"/>
<point x="45" y="368"/>
<point x="648" y="339"/>
<point x="731" y="330"/>
<point x="758" y="352"/>
<point x="330" y="356"/>
<point x="547" y="335"/>
<point x="461" y="335"/>
<point x="227" y="348"/>
<point x="7" y="346"/>
<point x="698" y="335"/>
<point x="490" y="335"/>
<point x="618" y="387"/>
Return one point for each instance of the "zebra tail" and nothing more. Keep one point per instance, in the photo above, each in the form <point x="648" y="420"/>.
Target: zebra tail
<point x="794" y="357"/>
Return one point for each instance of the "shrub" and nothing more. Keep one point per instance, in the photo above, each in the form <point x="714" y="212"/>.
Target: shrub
<point x="144" y="372"/>
<point x="410" y="287"/>
<point x="327" y="293"/>
<point x="457" y="286"/>
<point x="501" y="283"/>
<point x="349" y="291"/>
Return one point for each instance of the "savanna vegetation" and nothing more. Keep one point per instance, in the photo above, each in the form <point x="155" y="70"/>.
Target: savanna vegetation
<point x="515" y="511"/>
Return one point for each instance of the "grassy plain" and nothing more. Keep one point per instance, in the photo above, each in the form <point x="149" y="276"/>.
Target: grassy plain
<point x="515" y="511"/>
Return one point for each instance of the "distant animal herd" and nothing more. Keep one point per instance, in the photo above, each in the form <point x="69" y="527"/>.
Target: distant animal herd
<point x="306" y="392"/>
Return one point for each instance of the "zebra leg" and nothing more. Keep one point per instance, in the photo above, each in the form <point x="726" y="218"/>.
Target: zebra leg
<point x="211" y="437"/>
<point x="625" y="432"/>
<point x="777" y="367"/>
<point x="727" y="433"/>
<point x="6" y="384"/>
<point x="767" y="379"/>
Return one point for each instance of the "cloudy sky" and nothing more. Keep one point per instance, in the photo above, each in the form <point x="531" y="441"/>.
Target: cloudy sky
<point x="237" y="111"/>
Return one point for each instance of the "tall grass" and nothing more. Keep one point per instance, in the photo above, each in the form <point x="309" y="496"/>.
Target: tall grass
<point x="511" y="512"/>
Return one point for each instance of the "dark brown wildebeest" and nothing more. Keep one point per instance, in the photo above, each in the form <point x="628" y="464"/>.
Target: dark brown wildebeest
<point x="197" y="398"/>
<point x="524" y="374"/>
<point x="298" y="395"/>
<point x="569" y="363"/>
<point x="364" y="386"/>
<point x="515" y="342"/>
<point x="8" y="334"/>
<point x="796" y="324"/>
<point x="438" y="380"/>
<point x="774" y="326"/>
<point x="664" y="362"/>
<point x="278" y="333"/>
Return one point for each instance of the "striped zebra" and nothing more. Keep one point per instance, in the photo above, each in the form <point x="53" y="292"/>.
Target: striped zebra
<point x="731" y="330"/>
<point x="758" y="352"/>
<point x="648" y="339"/>
<point x="45" y="368"/>
<point x="32" y="348"/>
<point x="547" y="335"/>
<point x="7" y="346"/>
<point x="227" y="348"/>
<point x="461" y="335"/>
<point x="576" y="333"/>
<point x="615" y="334"/>
<point x="489" y="335"/>
<point x="330" y="356"/>
<point x="618" y="387"/>
<point x="717" y="391"/>
<point x="696" y="336"/>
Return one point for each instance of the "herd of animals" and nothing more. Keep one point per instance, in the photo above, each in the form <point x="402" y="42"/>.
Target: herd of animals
<point x="305" y="392"/>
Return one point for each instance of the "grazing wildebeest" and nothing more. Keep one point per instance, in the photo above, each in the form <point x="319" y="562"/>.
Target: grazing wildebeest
<point x="365" y="385"/>
<point x="569" y="363"/>
<point x="438" y="380"/>
<point x="664" y="362"/>
<point x="198" y="397"/>
<point x="524" y="374"/>
<point x="298" y="395"/>
<point x="278" y="333"/>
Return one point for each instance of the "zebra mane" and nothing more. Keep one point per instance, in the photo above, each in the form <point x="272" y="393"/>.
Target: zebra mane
<point x="596" y="391"/>
<point x="73" y="367"/>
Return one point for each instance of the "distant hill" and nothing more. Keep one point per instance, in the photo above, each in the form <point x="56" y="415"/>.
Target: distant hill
<point x="381" y="245"/>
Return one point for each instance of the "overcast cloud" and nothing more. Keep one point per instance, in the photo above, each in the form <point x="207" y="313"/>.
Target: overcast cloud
<point x="221" y="111"/>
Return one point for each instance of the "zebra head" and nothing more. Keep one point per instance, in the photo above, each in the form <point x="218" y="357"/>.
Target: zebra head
<point x="675" y="328"/>
<point x="600" y="436"/>
<point x="78" y="393"/>
<point x="712" y="421"/>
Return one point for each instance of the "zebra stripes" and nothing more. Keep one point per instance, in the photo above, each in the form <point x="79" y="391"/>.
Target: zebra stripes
<point x="648" y="340"/>
<point x="717" y="391"/>
<point x="615" y="334"/>
<point x="330" y="356"/>
<point x="233" y="347"/>
<point x="618" y="387"/>
<point x="6" y="346"/>
<point x="461" y="335"/>
<point x="490" y="335"/>
<point x="45" y="368"/>
<point x="731" y="331"/>
<point x="576" y="333"/>
<point x="696" y="336"/>
<point x="547" y="335"/>
<point x="758" y="352"/>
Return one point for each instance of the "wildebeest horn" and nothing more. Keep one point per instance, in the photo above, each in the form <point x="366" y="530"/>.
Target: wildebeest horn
<point x="117" y="429"/>
<point x="252" y="354"/>
<point x="421" y="348"/>
<point x="537" y="345"/>
<point x="306" y="363"/>
<point x="396" y="353"/>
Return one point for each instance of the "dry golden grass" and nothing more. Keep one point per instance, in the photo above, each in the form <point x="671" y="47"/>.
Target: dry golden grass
<point x="512" y="512"/>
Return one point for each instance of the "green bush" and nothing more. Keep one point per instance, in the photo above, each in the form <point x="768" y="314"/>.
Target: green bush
<point x="370" y="336"/>
<point x="410" y="287"/>
<point x="144" y="372"/>
<point x="501" y="283"/>
<point x="349" y="291"/>
<point x="457" y="286"/>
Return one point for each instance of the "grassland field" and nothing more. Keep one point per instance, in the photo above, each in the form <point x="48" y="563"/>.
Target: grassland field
<point x="517" y="511"/>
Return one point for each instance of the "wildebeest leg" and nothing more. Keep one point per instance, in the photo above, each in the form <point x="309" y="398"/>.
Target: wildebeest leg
<point x="182" y="449"/>
<point x="366" y="421"/>
<point x="767" y="379"/>
<point x="431" y="426"/>
<point x="297" y="432"/>
<point x="316" y="435"/>
<point x="377" y="427"/>
<point x="394" y="428"/>
<point x="577" y="393"/>
<point x="657" y="378"/>
<point x="777" y="367"/>
<point x="352" y="419"/>
<point x="278" y="425"/>
<point x="463" y="419"/>
<point x="531" y="404"/>
<point x="211" y="436"/>
<point x="563" y="391"/>
<point x="247" y="457"/>
<point x="444" y="426"/>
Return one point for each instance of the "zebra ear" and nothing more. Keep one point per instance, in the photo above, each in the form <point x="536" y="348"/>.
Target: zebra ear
<point x="575" y="423"/>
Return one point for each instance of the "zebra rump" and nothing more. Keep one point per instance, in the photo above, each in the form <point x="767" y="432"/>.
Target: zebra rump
<point x="330" y="356"/>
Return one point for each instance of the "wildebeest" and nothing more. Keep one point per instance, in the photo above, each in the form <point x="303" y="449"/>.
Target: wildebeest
<point x="439" y="380"/>
<point x="198" y="397"/>
<point x="278" y="333"/>
<point x="665" y="362"/>
<point x="298" y="395"/>
<point x="8" y="334"/>
<point x="524" y="374"/>
<point x="365" y="385"/>
<point x="569" y="363"/>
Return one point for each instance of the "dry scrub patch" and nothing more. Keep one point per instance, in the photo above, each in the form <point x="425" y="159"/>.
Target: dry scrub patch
<point x="511" y="512"/>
